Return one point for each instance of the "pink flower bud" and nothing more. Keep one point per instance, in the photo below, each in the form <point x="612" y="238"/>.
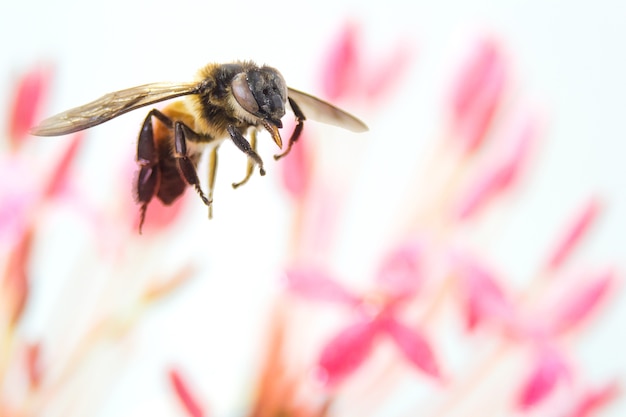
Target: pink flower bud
<point x="575" y="233"/>
<point x="478" y="94"/>
<point x="184" y="394"/>
<point x="579" y="305"/>
<point x="549" y="369"/>
<point x="500" y="177"/>
<point x="30" y="93"/>
<point x="341" y="70"/>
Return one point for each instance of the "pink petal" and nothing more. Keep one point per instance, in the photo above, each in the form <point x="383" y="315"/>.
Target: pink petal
<point x="575" y="233"/>
<point x="30" y="93"/>
<point x="549" y="370"/>
<point x="389" y="71"/>
<point x="15" y="284"/>
<point x="594" y="400"/>
<point x="500" y="177"/>
<point x="314" y="284"/>
<point x="341" y="67"/>
<point x="297" y="167"/>
<point x="18" y="199"/>
<point x="400" y="273"/>
<point x="478" y="93"/>
<point x="413" y="345"/>
<point x="346" y="352"/>
<point x="33" y="364"/>
<point x="57" y="180"/>
<point x="577" y="306"/>
<point x="484" y="298"/>
<point x="184" y="394"/>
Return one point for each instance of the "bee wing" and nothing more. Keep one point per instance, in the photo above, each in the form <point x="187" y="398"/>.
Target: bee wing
<point x="109" y="106"/>
<point x="322" y="111"/>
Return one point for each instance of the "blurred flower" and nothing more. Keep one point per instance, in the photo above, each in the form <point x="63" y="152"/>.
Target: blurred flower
<point x="36" y="375"/>
<point x="399" y="279"/>
<point x="478" y="93"/>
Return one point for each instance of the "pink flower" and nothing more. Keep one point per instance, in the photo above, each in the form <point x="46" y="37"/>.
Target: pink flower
<point x="296" y="170"/>
<point x="549" y="369"/>
<point x="399" y="278"/>
<point x="478" y="94"/>
<point x="483" y="297"/>
<point x="30" y="93"/>
<point x="501" y="176"/>
<point x="594" y="399"/>
<point x="347" y="72"/>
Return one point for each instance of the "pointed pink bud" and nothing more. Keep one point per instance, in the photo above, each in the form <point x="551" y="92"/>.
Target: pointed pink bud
<point x="33" y="364"/>
<point x="575" y="233"/>
<point x="400" y="274"/>
<point x="548" y="371"/>
<point x="57" y="180"/>
<point x="484" y="298"/>
<point x="297" y="167"/>
<point x="341" y="70"/>
<point x="30" y="94"/>
<point x="579" y="305"/>
<point x="184" y="394"/>
<point x="594" y="400"/>
<point x="478" y="93"/>
<point x="346" y="352"/>
<point x="413" y="345"/>
<point x="315" y="284"/>
<point x="500" y="177"/>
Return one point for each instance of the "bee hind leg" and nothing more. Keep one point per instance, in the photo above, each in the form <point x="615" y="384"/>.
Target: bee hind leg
<point x="149" y="175"/>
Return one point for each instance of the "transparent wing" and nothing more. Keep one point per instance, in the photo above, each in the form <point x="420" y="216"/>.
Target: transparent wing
<point x="321" y="111"/>
<point x="109" y="106"/>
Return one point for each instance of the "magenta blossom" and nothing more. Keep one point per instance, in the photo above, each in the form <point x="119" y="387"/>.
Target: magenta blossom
<point x="487" y="303"/>
<point x="378" y="314"/>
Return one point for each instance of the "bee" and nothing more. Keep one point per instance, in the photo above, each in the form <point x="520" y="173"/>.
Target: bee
<point x="226" y="101"/>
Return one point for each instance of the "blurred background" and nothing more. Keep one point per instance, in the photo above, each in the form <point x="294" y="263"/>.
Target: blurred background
<point x="565" y="63"/>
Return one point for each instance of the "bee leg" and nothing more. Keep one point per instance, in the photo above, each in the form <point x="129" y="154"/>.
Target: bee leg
<point x="186" y="167"/>
<point x="212" y="170"/>
<point x="149" y="175"/>
<point x="244" y="146"/>
<point x="250" y="164"/>
<point x="296" y="131"/>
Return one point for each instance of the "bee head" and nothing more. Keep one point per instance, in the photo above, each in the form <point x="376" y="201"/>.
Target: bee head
<point x="262" y="92"/>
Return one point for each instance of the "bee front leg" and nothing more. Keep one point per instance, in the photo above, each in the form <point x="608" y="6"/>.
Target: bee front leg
<point x="149" y="175"/>
<point x="250" y="164"/>
<point x="185" y="166"/>
<point x="244" y="146"/>
<point x="296" y="131"/>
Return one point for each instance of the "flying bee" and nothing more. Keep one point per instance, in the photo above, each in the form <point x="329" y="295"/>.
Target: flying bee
<point x="225" y="101"/>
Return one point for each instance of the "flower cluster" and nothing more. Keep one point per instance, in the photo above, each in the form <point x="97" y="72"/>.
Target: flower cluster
<point x="441" y="328"/>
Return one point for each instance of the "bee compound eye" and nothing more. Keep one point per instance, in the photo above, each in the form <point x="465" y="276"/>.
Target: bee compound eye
<point x="243" y="95"/>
